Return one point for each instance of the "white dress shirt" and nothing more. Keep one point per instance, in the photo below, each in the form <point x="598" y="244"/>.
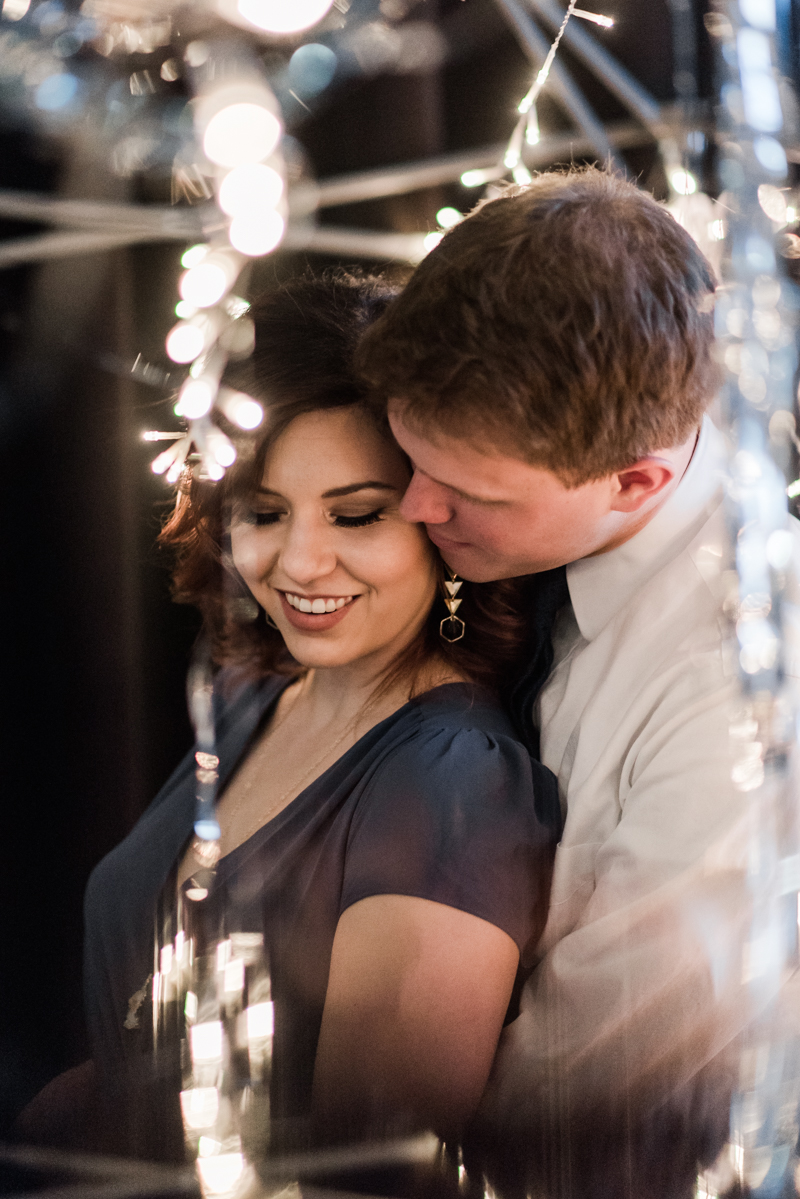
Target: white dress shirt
<point x="638" y="978"/>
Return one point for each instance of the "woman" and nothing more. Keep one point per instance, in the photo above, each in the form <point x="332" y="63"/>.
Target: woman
<point x="379" y="817"/>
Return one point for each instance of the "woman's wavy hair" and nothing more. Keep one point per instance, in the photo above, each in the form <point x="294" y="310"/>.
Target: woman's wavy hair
<point x="306" y="334"/>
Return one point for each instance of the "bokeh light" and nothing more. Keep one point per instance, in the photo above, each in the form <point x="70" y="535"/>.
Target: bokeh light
<point x="194" y="255"/>
<point x="256" y="233"/>
<point x="278" y="16"/>
<point x="195" y="400"/>
<point x="205" y="284"/>
<point x="241" y="133"/>
<point x="311" y="69"/>
<point x="683" y="182"/>
<point x="449" y="217"/>
<point x="248" y="187"/>
<point x="241" y="409"/>
<point x="185" y="342"/>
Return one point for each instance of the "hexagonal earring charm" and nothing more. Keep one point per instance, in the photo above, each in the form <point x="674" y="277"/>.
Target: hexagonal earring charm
<point x="452" y="627"/>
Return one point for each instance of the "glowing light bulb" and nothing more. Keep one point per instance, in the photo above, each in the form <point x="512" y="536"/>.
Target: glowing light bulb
<point x="595" y="17"/>
<point x="683" y="182"/>
<point x="164" y="460"/>
<point x="185" y="342"/>
<point x="241" y="133"/>
<point x="256" y="233"/>
<point x="205" y="284"/>
<point x="278" y="16"/>
<point x="522" y="175"/>
<point x="241" y="409"/>
<point x="185" y="311"/>
<point x="716" y="230"/>
<point x="449" y="217"/>
<point x="195" y="400"/>
<point x="194" y="255"/>
<point x="430" y="240"/>
<point x="248" y="187"/>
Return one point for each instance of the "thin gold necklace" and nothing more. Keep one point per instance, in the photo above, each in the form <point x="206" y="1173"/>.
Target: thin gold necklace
<point x="297" y="784"/>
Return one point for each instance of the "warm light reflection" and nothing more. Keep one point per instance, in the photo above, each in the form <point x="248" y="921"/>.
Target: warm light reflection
<point x="241" y="133"/>
<point x="252" y="186"/>
<point x="194" y="255"/>
<point x="221" y="448"/>
<point x="260" y="1021"/>
<point x="431" y="240"/>
<point x="199" y="1107"/>
<point x="683" y="182"/>
<point x="206" y="1041"/>
<point x="219" y="1174"/>
<point x="448" y="218"/>
<point x="278" y="16"/>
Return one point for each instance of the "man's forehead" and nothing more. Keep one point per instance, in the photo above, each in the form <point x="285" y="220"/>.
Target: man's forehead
<point x="466" y="465"/>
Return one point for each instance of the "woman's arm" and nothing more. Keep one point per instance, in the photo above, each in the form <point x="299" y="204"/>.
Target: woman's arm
<point x="415" y="1003"/>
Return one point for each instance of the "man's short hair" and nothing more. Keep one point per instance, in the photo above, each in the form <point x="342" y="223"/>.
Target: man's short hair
<point x="567" y="323"/>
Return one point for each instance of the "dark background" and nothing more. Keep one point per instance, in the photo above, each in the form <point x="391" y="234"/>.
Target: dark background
<point x="93" y="653"/>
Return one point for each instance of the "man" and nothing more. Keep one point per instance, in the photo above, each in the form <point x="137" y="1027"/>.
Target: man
<point x="548" y="368"/>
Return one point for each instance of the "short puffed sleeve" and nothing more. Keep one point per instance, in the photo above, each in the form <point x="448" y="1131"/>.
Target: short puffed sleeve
<point x="451" y="816"/>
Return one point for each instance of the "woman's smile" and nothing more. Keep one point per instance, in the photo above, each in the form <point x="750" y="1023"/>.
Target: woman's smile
<point x="315" y="615"/>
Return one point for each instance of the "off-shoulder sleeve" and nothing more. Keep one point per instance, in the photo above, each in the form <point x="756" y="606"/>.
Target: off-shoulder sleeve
<point x="451" y="817"/>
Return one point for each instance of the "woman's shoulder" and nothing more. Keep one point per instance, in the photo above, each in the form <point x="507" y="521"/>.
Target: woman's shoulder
<point x="461" y="706"/>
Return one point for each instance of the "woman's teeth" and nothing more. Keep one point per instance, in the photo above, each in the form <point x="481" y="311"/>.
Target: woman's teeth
<point x="318" y="606"/>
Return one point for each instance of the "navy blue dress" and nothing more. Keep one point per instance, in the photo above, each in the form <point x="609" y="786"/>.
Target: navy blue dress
<point x="439" y="801"/>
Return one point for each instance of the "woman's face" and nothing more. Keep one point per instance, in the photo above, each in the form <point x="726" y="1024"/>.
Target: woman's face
<point x="324" y="550"/>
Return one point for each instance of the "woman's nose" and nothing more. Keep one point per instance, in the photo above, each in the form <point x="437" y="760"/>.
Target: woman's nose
<point x="308" y="552"/>
<point x="425" y="502"/>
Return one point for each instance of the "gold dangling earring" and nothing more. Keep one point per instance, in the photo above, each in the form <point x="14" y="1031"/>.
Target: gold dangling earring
<point x="455" y="625"/>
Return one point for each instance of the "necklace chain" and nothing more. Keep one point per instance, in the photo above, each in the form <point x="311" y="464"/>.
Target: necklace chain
<point x="297" y="784"/>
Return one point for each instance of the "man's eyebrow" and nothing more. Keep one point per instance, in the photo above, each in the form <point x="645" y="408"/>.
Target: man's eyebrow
<point x="335" y="492"/>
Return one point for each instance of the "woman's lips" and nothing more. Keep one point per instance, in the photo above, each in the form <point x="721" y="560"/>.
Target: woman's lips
<point x="314" y="622"/>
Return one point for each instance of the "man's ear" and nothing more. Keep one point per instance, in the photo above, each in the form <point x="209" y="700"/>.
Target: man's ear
<point x="636" y="485"/>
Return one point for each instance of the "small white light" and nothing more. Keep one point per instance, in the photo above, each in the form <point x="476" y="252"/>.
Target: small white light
<point x="166" y="959"/>
<point x="199" y="1107"/>
<point x="716" y="230"/>
<point x="448" y="218"/>
<point x="793" y="490"/>
<point x="213" y="470"/>
<point x="241" y="409"/>
<point x="15" y="10"/>
<point x="194" y="255"/>
<point x="185" y="342"/>
<point x="522" y="175"/>
<point x="248" y="187"/>
<point x="594" y="17"/>
<point x="206" y="1041"/>
<point x="190" y="1006"/>
<point x="683" y="182"/>
<point x="474" y="178"/>
<point x="223" y="451"/>
<point x="208" y="1147"/>
<point x="164" y="460"/>
<point x="195" y="400"/>
<point x="241" y="133"/>
<point x="185" y="311"/>
<point x="219" y="1174"/>
<point x="431" y="240"/>
<point x="278" y="16"/>
<point x="255" y="234"/>
<point x="205" y="284"/>
<point x="260" y="1021"/>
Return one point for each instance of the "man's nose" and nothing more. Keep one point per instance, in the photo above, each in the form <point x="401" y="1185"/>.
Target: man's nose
<point x="307" y="552"/>
<point x="425" y="502"/>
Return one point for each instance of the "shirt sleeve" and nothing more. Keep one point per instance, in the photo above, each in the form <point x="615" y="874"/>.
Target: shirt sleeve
<point x="451" y="817"/>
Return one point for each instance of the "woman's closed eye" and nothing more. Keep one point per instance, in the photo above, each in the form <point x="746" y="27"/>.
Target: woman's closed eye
<point x="339" y="520"/>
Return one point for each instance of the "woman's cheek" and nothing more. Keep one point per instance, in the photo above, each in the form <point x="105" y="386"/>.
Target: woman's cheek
<point x="249" y="555"/>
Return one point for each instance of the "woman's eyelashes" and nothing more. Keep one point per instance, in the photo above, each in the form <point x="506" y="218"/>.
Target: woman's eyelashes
<point x="340" y="521"/>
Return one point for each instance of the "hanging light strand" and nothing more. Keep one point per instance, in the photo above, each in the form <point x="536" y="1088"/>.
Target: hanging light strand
<point x="527" y="127"/>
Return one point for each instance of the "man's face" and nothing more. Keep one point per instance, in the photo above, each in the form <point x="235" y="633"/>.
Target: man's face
<point x="495" y="517"/>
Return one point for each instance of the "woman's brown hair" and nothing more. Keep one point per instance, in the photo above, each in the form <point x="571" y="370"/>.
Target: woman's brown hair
<point x="307" y="332"/>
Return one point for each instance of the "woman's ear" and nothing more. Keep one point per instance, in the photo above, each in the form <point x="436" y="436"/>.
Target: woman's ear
<point x="640" y="483"/>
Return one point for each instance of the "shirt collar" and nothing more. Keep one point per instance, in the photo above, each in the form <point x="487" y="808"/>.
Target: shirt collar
<point x="600" y="587"/>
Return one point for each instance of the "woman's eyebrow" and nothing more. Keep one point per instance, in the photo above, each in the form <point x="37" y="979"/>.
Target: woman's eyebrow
<point x="351" y="488"/>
